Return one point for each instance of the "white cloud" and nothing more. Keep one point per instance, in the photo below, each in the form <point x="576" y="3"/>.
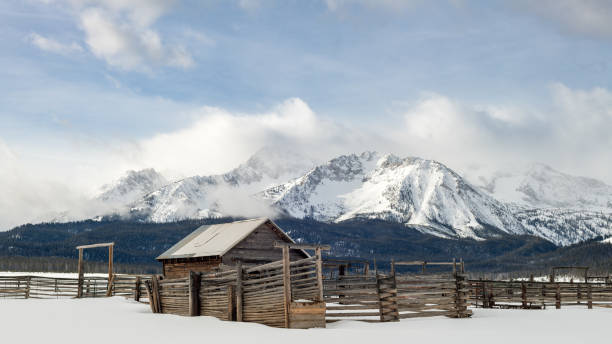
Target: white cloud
<point x="219" y="140"/>
<point x="122" y="34"/>
<point x="29" y="195"/>
<point x="51" y="45"/>
<point x="585" y="17"/>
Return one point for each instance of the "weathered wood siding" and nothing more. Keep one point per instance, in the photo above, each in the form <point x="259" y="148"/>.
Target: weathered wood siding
<point x="180" y="268"/>
<point x="258" y="248"/>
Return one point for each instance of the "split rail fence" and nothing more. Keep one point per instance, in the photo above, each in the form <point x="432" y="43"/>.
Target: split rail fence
<point x="40" y="287"/>
<point x="536" y="295"/>
<point x="382" y="298"/>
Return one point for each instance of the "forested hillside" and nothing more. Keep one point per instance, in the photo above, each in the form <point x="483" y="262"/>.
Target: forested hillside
<point x="51" y="246"/>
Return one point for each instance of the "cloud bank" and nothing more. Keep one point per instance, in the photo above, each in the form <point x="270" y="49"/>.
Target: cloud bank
<point x="590" y="18"/>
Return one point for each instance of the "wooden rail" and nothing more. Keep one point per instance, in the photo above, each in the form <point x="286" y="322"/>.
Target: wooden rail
<point x="381" y="298"/>
<point x="41" y="287"/>
<point x="530" y="295"/>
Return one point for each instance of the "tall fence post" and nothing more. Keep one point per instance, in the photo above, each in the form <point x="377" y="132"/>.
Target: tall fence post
<point x="80" y="281"/>
<point x="558" y="297"/>
<point x="156" y="296"/>
<point x="194" y="294"/>
<point x="460" y="295"/>
<point x="111" y="276"/>
<point x="386" y="287"/>
<point x="239" y="293"/>
<point x="286" y="283"/>
<point x="590" y="297"/>
<point x="319" y="268"/>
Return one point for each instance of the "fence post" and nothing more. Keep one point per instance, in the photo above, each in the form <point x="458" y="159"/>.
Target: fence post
<point x="136" y="289"/>
<point x="239" y="293"/>
<point x="150" y="296"/>
<point x="590" y="297"/>
<point x="286" y="283"/>
<point x="460" y="301"/>
<point x="524" y="294"/>
<point x="194" y="292"/>
<point x="230" y="304"/>
<point x="558" y="297"/>
<point x="27" y="291"/>
<point x="319" y="267"/>
<point x="156" y="296"/>
<point x="109" y="287"/>
<point x="485" y="301"/>
<point x="80" y="281"/>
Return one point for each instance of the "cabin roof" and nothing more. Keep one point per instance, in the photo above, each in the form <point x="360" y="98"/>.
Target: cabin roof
<point x="218" y="239"/>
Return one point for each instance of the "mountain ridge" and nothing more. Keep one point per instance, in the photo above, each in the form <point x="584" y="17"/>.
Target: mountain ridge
<point x="421" y="193"/>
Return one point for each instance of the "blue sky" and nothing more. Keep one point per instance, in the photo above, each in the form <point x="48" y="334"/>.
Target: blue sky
<point x="90" y="88"/>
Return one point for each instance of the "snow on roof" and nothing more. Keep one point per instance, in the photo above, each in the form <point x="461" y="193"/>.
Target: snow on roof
<point x="216" y="240"/>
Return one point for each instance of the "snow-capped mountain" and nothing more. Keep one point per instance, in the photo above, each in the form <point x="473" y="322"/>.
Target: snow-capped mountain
<point x="131" y="187"/>
<point x="540" y="186"/>
<point x="565" y="226"/>
<point x="422" y="193"/>
<point x="217" y="195"/>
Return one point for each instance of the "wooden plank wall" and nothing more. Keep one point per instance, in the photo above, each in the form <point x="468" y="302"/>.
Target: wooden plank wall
<point x="263" y="295"/>
<point x="217" y="294"/>
<point x="254" y="294"/>
<point x="173" y="295"/>
<point x="529" y="295"/>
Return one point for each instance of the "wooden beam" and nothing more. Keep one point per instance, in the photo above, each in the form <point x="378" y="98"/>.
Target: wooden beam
<point x="421" y="262"/>
<point x="80" y="281"/>
<point x="319" y="274"/>
<point x="109" y="288"/>
<point x="280" y="244"/>
<point x="194" y="294"/>
<point x="286" y="283"/>
<point x="239" y="291"/>
<point x="95" y="245"/>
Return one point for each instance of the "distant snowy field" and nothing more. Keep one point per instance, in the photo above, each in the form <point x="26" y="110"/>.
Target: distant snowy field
<point x="50" y="274"/>
<point x="117" y="320"/>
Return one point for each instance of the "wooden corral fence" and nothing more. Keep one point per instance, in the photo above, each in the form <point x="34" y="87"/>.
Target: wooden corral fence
<point x="536" y="295"/>
<point x="279" y="294"/>
<point x="130" y="286"/>
<point x="382" y="298"/>
<point x="40" y="287"/>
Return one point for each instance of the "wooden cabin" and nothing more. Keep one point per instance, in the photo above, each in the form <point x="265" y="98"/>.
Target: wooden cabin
<point x="250" y="241"/>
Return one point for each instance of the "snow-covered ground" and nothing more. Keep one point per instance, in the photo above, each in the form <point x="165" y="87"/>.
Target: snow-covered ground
<point x="118" y="320"/>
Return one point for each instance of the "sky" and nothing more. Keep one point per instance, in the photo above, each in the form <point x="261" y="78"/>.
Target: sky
<point x="90" y="89"/>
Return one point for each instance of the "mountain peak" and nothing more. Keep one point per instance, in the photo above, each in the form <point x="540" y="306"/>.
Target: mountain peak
<point x="131" y="187"/>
